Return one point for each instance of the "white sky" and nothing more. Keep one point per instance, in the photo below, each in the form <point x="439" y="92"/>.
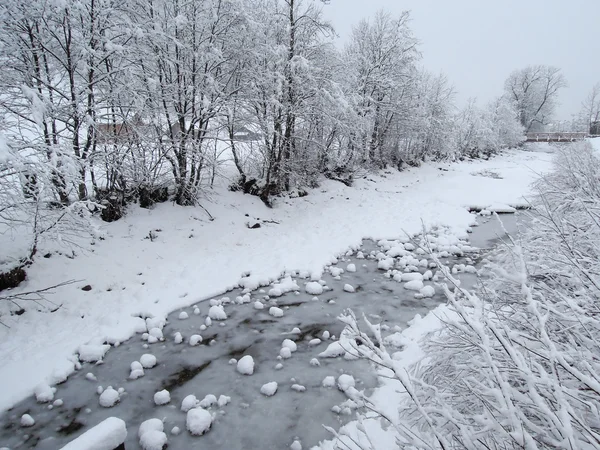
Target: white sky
<point x="477" y="43"/>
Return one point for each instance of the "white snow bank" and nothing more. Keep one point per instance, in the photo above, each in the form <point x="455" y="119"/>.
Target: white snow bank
<point x="92" y="353"/>
<point x="107" y="435"/>
<point x="310" y="231"/>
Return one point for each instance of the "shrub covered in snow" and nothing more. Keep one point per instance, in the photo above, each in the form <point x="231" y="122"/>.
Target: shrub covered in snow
<point x="516" y="366"/>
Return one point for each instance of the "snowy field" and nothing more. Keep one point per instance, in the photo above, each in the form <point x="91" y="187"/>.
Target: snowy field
<point x="190" y="258"/>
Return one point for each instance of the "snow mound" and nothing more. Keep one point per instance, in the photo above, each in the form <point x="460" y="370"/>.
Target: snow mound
<point x="223" y="400"/>
<point x="189" y="402"/>
<point x="183" y="315"/>
<point x="195" y="339"/>
<point x="298" y="388"/>
<point x="208" y="401"/>
<point x="285" y="353"/>
<point x="245" y="365"/>
<point x="153" y="440"/>
<point x="328" y="382"/>
<point x="345" y="382"/>
<point x="289" y="344"/>
<point x="349" y="288"/>
<point x="110" y="433"/>
<point x="414" y="285"/>
<point x="217" y="312"/>
<point x="275" y="312"/>
<point x="269" y="389"/>
<point x="198" y="421"/>
<point x="427" y="291"/>
<point x="109" y="398"/>
<point x="333" y="350"/>
<point x="314" y="288"/>
<point x="44" y="393"/>
<point x="162" y="397"/>
<point x="258" y="305"/>
<point x="92" y="353"/>
<point x="27" y="420"/>
<point x="148" y="361"/>
<point x="351" y="268"/>
<point x="177" y="338"/>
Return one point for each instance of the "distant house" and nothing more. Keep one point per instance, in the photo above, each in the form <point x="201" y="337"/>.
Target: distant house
<point x="595" y="128"/>
<point x="121" y="132"/>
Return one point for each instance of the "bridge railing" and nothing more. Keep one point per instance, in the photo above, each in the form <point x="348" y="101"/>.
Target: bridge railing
<point x="556" y="137"/>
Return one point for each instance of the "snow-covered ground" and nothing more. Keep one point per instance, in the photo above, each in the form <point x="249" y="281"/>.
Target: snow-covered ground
<point x="190" y="258"/>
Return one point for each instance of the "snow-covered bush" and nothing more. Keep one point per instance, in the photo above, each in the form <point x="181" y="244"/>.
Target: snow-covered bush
<point x="517" y="366"/>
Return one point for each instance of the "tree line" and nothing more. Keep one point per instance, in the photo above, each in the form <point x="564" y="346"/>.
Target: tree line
<point x="141" y="100"/>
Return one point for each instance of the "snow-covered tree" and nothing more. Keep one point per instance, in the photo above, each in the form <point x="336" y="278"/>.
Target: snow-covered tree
<point x="534" y="90"/>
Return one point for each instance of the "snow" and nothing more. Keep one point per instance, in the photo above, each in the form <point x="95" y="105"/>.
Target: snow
<point x="217" y="312"/>
<point x="310" y="230"/>
<point x="109" y="398"/>
<point x="414" y="285"/>
<point x="348" y="288"/>
<point x="328" y="382"/>
<point x="195" y="339"/>
<point x="150" y="425"/>
<point x="92" y="353"/>
<point x="148" y="361"/>
<point x="208" y="401"/>
<point x="314" y="288"/>
<point x="27" y="420"/>
<point x="298" y="388"/>
<point x="285" y="353"/>
<point x="258" y="305"/>
<point x="223" y="400"/>
<point x="288" y="343"/>
<point x="269" y="389"/>
<point x="178" y="338"/>
<point x="275" y="311"/>
<point x="345" y="382"/>
<point x="183" y="315"/>
<point x="351" y="268"/>
<point x="198" y="421"/>
<point x="296" y="445"/>
<point x="189" y="402"/>
<point x="162" y="397"/>
<point x="427" y="291"/>
<point x="44" y="393"/>
<point x="153" y="440"/>
<point x="107" y="435"/>
<point x="325" y="335"/>
<point x="245" y="365"/>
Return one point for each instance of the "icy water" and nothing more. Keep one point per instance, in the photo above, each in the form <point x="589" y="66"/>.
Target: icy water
<point x="250" y="420"/>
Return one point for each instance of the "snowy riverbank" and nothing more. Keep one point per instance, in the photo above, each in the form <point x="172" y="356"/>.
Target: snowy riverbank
<point x="191" y="257"/>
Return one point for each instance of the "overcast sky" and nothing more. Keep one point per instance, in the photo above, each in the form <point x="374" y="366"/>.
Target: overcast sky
<point x="477" y="43"/>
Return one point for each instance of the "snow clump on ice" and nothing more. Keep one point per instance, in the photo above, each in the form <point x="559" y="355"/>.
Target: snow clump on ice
<point x="345" y="382"/>
<point x="148" y="361"/>
<point x="195" y="339"/>
<point x="27" y="420"/>
<point x="44" y="393"/>
<point x="198" y="421"/>
<point x="217" y="313"/>
<point x="269" y="389"/>
<point x="162" y="397"/>
<point x="349" y="288"/>
<point x="276" y="312"/>
<point x="189" y="402"/>
<point x="245" y="365"/>
<point x="151" y="434"/>
<point x="289" y="344"/>
<point x="314" y="288"/>
<point x="109" y="397"/>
